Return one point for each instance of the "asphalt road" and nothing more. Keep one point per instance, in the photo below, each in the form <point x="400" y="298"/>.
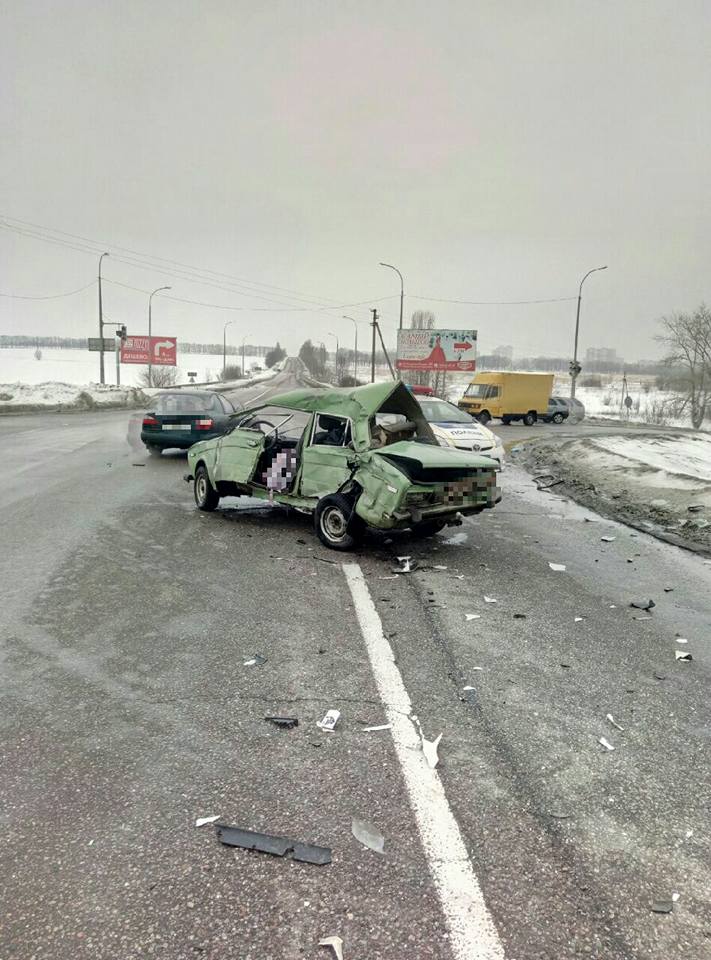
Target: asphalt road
<point x="127" y="711"/>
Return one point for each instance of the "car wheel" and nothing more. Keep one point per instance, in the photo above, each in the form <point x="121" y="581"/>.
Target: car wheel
<point x="484" y="417"/>
<point x="336" y="524"/>
<point x="154" y="450"/>
<point x="206" y="497"/>
<point x="428" y="528"/>
<point x="529" y="418"/>
<point x="557" y="418"/>
<point x="506" y="421"/>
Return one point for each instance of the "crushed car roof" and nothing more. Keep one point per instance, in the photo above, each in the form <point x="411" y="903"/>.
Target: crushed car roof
<point x="358" y="403"/>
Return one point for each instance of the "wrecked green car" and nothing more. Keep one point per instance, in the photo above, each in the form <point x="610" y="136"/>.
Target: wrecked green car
<point x="353" y="457"/>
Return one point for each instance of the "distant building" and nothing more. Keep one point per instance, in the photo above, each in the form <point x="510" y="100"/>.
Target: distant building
<point x="505" y="352"/>
<point x="602" y="360"/>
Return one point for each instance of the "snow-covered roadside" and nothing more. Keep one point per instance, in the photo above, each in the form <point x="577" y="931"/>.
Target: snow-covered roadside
<point x="17" y="397"/>
<point x="661" y="483"/>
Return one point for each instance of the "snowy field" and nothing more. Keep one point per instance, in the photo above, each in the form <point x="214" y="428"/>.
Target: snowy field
<point x="686" y="456"/>
<point x="18" y="365"/>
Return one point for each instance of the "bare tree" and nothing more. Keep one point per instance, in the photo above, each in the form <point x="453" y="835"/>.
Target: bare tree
<point x="688" y="340"/>
<point x="162" y="377"/>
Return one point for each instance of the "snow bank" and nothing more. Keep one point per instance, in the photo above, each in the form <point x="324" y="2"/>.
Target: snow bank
<point x="53" y="394"/>
<point x="688" y="456"/>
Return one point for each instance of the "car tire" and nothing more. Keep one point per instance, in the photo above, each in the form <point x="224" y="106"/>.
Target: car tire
<point x="484" y="417"/>
<point x="428" y="528"/>
<point x="206" y="497"/>
<point x="154" y="450"/>
<point x="529" y="418"/>
<point x="557" y="418"/>
<point x="506" y="421"/>
<point x="337" y="526"/>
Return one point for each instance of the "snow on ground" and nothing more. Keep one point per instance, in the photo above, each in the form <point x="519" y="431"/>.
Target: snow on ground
<point x="18" y="365"/>
<point x="687" y="456"/>
<point x="66" y="394"/>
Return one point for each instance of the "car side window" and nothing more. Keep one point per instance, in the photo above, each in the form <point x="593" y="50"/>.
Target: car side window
<point x="226" y="405"/>
<point x="330" y="431"/>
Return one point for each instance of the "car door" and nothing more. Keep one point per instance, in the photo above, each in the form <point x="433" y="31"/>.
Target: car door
<point x="324" y="465"/>
<point x="238" y="453"/>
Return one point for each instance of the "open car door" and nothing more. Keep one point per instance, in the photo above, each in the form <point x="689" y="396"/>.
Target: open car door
<point x="238" y="453"/>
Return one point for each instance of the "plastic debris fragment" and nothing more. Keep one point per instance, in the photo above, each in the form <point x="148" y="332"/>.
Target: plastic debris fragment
<point x="558" y="567"/>
<point x="439" y="566"/>
<point x="380" y="726"/>
<point x="335" y="943"/>
<point x="683" y="655"/>
<point x="608" y="539"/>
<point x="643" y="604"/>
<point x="579" y="619"/>
<point x="407" y="565"/>
<point x="662" y="906"/>
<point x="605" y="743"/>
<point x="473" y="616"/>
<point x="256" y="661"/>
<point x="368" y="835"/>
<point x="681" y="640"/>
<point x="611" y="719"/>
<point x="287" y="723"/>
<point x="329" y="721"/>
<point x="429" y="748"/>
<point x="490" y="600"/>
<point x="203" y="821"/>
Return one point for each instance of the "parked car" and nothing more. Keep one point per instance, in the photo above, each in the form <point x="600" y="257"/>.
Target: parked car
<point x="179" y="418"/>
<point x="558" y="411"/>
<point x="354" y="458"/>
<point x="575" y="407"/>
<point x="456" y="428"/>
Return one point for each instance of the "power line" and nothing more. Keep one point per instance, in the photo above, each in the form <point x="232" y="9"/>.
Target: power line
<point x="53" y="296"/>
<point x="491" y="303"/>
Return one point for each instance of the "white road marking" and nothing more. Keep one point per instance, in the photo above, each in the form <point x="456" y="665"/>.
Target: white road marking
<point x="473" y="935"/>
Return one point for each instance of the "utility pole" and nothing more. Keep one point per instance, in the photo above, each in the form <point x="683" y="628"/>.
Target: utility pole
<point x="150" y="333"/>
<point x="224" y="347"/>
<point x="243" y="340"/>
<point x="102" y="377"/>
<point x="575" y="367"/>
<point x="374" y="324"/>
<point x="355" y="349"/>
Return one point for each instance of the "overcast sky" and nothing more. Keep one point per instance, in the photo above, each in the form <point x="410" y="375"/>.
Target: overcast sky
<point x="493" y="151"/>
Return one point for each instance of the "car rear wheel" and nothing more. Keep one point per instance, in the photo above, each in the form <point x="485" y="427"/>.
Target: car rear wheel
<point x="484" y="417"/>
<point x="529" y="418"/>
<point x="428" y="528"/>
<point x="506" y="421"/>
<point x="557" y="418"/>
<point x="336" y="524"/>
<point x="206" y="497"/>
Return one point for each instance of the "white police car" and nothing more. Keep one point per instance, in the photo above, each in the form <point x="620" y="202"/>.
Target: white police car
<point x="456" y="428"/>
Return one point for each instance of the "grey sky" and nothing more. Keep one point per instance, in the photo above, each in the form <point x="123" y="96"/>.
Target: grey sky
<point x="493" y="151"/>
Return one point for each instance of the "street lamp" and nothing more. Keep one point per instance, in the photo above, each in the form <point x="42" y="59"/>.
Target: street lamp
<point x="224" y="347"/>
<point x="355" y="348"/>
<point x="574" y="365"/>
<point x="243" y="342"/>
<point x="402" y="287"/>
<point x="150" y="328"/>
<point x="102" y="378"/>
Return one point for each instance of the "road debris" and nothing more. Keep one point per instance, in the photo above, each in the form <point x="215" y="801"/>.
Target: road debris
<point x="662" y="906"/>
<point x="519" y="616"/>
<point x="468" y="695"/>
<point x="278" y="846"/>
<point x="605" y="743"/>
<point x="256" y="661"/>
<point x="286" y="723"/>
<point x="641" y="618"/>
<point x="590" y="519"/>
<point x="329" y="721"/>
<point x="695" y="507"/>
<point x="546" y="480"/>
<point x="456" y="539"/>
<point x="407" y="565"/>
<point x="643" y="604"/>
<point x="689" y="834"/>
<point x="490" y="600"/>
<point x="368" y="835"/>
<point x="683" y="655"/>
<point x="203" y="821"/>
<point x="558" y="567"/>
<point x="579" y="619"/>
<point x="669" y="589"/>
<point x="393" y="577"/>
<point x="608" y="539"/>
<point x="429" y="748"/>
<point x="335" y="943"/>
<point x="138" y="464"/>
<point x="380" y="726"/>
<point x="439" y="566"/>
<point x="473" y="616"/>
<point x="611" y="719"/>
<point x="681" y="640"/>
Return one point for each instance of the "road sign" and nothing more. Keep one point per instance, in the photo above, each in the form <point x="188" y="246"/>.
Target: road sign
<point x="159" y="351"/>
<point x="95" y="344"/>
<point x="436" y="350"/>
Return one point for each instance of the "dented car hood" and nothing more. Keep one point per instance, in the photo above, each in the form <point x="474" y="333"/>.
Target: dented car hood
<point x="431" y="457"/>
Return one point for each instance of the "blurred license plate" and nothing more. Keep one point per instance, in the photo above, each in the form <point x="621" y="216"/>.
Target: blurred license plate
<point x="176" y="426"/>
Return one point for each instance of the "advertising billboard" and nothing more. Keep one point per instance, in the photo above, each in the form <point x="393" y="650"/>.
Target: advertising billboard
<point x="436" y="350"/>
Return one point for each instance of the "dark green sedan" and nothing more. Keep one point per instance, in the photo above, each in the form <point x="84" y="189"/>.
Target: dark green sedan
<point x="180" y="418"/>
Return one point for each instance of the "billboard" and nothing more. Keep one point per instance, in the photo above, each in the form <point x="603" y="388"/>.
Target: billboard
<point x="158" y="351"/>
<point x="436" y="350"/>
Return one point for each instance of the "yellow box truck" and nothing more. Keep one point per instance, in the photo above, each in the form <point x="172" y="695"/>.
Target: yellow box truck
<point x="508" y="396"/>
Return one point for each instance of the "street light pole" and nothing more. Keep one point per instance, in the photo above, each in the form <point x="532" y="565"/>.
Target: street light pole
<point x="402" y="287"/>
<point x="355" y="348"/>
<point x="224" y="347"/>
<point x="150" y="334"/>
<point x="102" y="377"/>
<point x="335" y="362"/>
<point x="243" y="342"/>
<point x="574" y="365"/>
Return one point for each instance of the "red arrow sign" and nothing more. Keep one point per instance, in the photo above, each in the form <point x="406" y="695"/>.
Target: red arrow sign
<point x="462" y="346"/>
